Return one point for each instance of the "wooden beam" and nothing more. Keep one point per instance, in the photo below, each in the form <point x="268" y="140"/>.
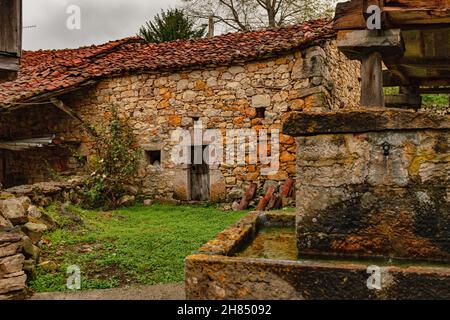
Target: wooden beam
<point x="66" y="109"/>
<point x="445" y="90"/>
<point x="351" y="15"/>
<point x="357" y="43"/>
<point x="417" y="17"/>
<point x="11" y="26"/>
<point x="391" y="79"/>
<point x="403" y="101"/>
<point x="372" y="81"/>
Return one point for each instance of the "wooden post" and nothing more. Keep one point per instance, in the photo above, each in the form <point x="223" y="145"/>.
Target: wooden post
<point x="265" y="200"/>
<point x="211" y="27"/>
<point x="10" y="38"/>
<point x="248" y="196"/>
<point x="372" y="81"/>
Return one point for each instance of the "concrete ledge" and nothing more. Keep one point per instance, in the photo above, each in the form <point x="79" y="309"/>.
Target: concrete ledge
<point x="361" y="121"/>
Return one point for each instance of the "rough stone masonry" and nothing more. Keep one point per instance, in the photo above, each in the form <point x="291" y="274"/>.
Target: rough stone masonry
<point x="314" y="78"/>
<point x="373" y="183"/>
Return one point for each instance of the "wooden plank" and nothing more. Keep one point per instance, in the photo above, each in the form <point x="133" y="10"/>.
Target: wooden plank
<point x="400" y="16"/>
<point x="265" y="200"/>
<point x="351" y="15"/>
<point x="445" y="90"/>
<point x="403" y="101"/>
<point x="248" y="196"/>
<point x="9" y="63"/>
<point x="436" y="4"/>
<point x="11" y="26"/>
<point x="274" y="202"/>
<point x="372" y="81"/>
<point x="357" y="43"/>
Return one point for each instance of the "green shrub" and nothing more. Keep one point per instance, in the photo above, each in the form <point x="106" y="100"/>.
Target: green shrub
<point x="115" y="164"/>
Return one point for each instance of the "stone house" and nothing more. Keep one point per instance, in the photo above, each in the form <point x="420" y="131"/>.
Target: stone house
<point x="235" y="81"/>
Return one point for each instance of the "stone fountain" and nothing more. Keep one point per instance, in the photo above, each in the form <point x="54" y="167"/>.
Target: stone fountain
<point x="373" y="192"/>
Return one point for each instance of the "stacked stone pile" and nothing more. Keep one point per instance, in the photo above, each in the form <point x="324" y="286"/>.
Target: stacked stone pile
<point x="12" y="276"/>
<point x="22" y="224"/>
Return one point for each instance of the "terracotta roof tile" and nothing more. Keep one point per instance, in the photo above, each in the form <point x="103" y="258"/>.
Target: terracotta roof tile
<point x="45" y="71"/>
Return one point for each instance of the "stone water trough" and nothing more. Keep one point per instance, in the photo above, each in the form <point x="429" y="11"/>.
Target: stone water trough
<point x="372" y="220"/>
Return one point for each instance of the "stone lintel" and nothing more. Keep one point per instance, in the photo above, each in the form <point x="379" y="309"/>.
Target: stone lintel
<point x="361" y="121"/>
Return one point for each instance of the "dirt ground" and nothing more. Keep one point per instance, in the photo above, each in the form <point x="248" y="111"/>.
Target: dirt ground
<point x="156" y="292"/>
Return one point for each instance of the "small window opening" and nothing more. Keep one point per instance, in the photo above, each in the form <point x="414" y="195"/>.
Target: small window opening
<point x="154" y="157"/>
<point x="260" y="113"/>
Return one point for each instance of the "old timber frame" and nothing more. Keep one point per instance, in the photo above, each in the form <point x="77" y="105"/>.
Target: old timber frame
<point x="10" y="38"/>
<point x="411" y="51"/>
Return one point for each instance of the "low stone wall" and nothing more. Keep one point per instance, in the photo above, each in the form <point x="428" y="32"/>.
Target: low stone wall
<point x="214" y="273"/>
<point x="22" y="224"/>
<point x="210" y="277"/>
<point x="12" y="276"/>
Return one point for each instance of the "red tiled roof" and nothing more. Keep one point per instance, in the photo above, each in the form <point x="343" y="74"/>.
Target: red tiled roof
<point x="46" y="71"/>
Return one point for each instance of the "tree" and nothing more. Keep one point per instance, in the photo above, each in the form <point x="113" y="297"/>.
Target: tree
<point x="171" y="25"/>
<point x="245" y="15"/>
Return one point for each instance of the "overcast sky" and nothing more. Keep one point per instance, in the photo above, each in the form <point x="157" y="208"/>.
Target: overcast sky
<point x="101" y="21"/>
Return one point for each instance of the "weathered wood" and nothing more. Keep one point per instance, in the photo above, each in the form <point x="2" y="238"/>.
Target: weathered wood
<point x="248" y="196"/>
<point x="11" y="26"/>
<point x="66" y="109"/>
<point x="10" y="38"/>
<point x="25" y="144"/>
<point x="356" y="44"/>
<point x="9" y="66"/>
<point x="286" y="189"/>
<point x="413" y="101"/>
<point x="417" y="17"/>
<point x="351" y="15"/>
<point x="372" y="81"/>
<point x="361" y="121"/>
<point x="439" y="90"/>
<point x="274" y="202"/>
<point x="265" y="200"/>
<point x="432" y="4"/>
<point x="9" y="63"/>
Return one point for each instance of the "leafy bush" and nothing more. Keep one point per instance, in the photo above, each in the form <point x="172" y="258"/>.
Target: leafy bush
<point x="115" y="165"/>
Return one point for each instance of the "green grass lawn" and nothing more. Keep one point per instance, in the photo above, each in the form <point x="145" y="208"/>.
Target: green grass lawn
<point x="130" y="246"/>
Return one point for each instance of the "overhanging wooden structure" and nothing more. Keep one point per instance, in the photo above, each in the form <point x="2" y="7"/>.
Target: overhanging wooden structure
<point x="30" y="143"/>
<point x="418" y="60"/>
<point x="10" y="38"/>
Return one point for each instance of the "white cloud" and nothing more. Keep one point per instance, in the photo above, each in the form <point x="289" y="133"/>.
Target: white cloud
<point x="101" y="21"/>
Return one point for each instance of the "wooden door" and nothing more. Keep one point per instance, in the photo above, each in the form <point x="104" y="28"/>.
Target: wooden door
<point x="199" y="177"/>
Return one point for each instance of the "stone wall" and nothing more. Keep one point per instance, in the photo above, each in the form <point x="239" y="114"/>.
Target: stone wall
<point x="22" y="224"/>
<point x="318" y="78"/>
<point x="377" y="188"/>
<point x="12" y="277"/>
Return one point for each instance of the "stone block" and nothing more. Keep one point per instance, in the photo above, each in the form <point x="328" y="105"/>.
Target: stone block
<point x="13" y="210"/>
